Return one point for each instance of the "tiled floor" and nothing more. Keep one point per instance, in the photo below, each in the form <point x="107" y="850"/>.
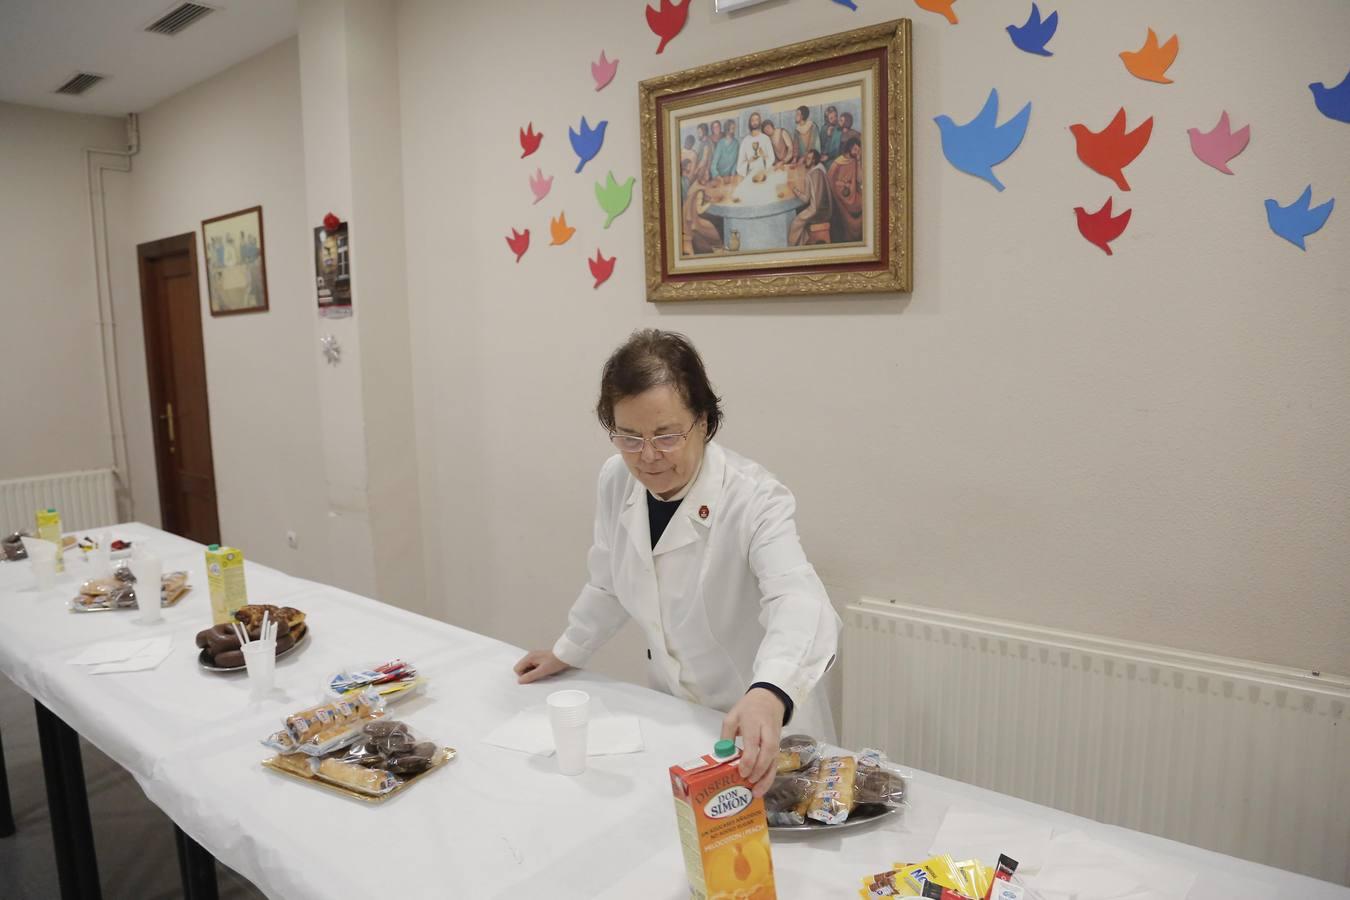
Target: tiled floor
<point x="136" y="855"/>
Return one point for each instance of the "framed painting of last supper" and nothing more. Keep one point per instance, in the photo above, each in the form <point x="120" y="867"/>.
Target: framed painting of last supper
<point x="781" y="173"/>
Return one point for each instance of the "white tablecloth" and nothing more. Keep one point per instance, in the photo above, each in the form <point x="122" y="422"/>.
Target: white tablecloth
<point x="493" y="823"/>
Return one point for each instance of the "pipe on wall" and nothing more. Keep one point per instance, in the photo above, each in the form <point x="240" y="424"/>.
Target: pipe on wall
<point x="98" y="160"/>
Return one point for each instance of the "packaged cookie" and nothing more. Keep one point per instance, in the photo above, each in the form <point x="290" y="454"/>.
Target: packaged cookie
<point x="787" y="800"/>
<point x="879" y="781"/>
<point x="796" y="752"/>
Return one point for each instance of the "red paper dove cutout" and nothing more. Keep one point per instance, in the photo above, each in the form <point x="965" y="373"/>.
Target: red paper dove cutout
<point x="1099" y="228"/>
<point x="529" y="140"/>
<point x="601" y="268"/>
<point x="519" y="242"/>
<point x="1220" y="145"/>
<point x="1110" y="150"/>
<point x="667" y="21"/>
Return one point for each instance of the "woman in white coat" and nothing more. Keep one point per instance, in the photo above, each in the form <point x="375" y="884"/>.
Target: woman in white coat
<point x="698" y="546"/>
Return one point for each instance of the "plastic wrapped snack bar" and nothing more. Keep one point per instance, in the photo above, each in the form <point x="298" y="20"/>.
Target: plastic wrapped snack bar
<point x="331" y="726"/>
<point x="787" y="800"/>
<point x="796" y="752"/>
<point x="879" y="781"/>
<point x="394" y="679"/>
<point x="833" y="796"/>
<point x="357" y="778"/>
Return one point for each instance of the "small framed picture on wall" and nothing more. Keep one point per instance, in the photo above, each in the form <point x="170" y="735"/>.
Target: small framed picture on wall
<point x="236" y="264"/>
<point x="785" y="172"/>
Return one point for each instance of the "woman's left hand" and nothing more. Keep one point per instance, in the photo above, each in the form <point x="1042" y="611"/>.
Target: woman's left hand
<point x="758" y="720"/>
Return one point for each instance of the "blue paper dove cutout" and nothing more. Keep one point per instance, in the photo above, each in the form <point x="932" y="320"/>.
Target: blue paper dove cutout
<point x="1035" y="34"/>
<point x="587" y="144"/>
<point x="1296" y="221"/>
<point x="977" y="146"/>
<point x="1334" y="103"/>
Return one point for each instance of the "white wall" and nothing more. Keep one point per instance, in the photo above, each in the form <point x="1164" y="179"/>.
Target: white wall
<point x="1150" y="446"/>
<point x="229" y="143"/>
<point x="55" y="410"/>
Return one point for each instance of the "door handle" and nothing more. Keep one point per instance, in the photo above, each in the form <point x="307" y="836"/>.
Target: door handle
<point x="167" y="415"/>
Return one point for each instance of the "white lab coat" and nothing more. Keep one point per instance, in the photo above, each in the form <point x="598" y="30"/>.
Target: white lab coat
<point x="725" y="599"/>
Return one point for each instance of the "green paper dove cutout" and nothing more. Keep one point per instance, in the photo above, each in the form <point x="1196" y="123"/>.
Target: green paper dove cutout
<point x="614" y="197"/>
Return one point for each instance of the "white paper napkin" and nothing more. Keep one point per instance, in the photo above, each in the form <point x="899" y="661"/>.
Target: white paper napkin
<point x="969" y="833"/>
<point x="1080" y="868"/>
<point x="529" y="732"/>
<point x="108" y="651"/>
<point x="125" y="656"/>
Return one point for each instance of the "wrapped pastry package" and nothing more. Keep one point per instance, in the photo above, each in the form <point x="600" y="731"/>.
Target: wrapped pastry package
<point x="328" y="727"/>
<point x="797" y="752"/>
<point x="383" y="756"/>
<point x="832" y="798"/>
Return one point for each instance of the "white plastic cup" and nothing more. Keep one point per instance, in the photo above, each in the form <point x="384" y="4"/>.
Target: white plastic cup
<point x="568" y="713"/>
<point x="148" y="571"/>
<point x="261" y="659"/>
<point x="101" y="558"/>
<point x="42" y="554"/>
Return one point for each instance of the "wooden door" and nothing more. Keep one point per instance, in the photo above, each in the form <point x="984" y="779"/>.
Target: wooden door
<point x="175" y="358"/>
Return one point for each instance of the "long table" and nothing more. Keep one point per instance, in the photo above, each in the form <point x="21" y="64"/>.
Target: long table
<point x="492" y="823"/>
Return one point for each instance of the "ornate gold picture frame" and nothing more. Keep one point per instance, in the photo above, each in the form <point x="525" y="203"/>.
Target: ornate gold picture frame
<point x="781" y="173"/>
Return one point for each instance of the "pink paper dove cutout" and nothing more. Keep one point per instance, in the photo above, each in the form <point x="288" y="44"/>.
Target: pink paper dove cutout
<point x="540" y="185"/>
<point x="603" y="71"/>
<point x="1218" y="146"/>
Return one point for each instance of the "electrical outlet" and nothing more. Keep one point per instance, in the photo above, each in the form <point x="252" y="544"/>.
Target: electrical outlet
<point x="292" y="541"/>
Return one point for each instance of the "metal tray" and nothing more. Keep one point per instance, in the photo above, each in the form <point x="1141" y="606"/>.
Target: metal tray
<point x="443" y="756"/>
<point x="862" y="814"/>
<point x="204" y="660"/>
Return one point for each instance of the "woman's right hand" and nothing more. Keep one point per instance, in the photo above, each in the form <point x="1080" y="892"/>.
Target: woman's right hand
<point x="537" y="665"/>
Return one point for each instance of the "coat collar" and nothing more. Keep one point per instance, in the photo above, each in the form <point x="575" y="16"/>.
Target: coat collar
<point x="695" y="515"/>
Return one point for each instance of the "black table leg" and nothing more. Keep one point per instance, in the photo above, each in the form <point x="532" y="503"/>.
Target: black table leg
<point x="196" y="867"/>
<point x="6" y="810"/>
<point x="68" y="801"/>
<point x="56" y="805"/>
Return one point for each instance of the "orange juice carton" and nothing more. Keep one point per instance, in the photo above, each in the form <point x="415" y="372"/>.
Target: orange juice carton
<point x="49" y="529"/>
<point x="225" y="580"/>
<point x="722" y="828"/>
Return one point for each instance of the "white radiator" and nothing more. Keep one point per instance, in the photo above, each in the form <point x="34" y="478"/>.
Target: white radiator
<point x="1243" y="758"/>
<point x="84" y="499"/>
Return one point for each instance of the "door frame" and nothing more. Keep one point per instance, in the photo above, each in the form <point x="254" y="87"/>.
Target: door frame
<point x="152" y="322"/>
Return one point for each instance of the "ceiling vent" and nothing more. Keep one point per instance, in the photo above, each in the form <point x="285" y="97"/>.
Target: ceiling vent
<point x="178" y="18"/>
<point x="82" y="82"/>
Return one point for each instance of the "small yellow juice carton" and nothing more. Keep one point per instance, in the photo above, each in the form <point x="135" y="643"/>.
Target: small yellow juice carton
<point x="722" y="829"/>
<point x="49" y="529"/>
<point x="225" y="579"/>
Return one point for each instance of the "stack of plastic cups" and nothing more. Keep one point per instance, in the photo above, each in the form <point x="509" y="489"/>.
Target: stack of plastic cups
<point x="261" y="659"/>
<point x="149" y="573"/>
<point x="101" y="560"/>
<point x="568" y="713"/>
<point x="42" y="554"/>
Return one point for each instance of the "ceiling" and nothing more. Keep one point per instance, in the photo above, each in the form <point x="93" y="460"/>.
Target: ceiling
<point x="45" y="42"/>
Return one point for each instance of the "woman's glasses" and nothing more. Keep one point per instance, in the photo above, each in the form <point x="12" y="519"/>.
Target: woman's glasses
<point x="662" y="443"/>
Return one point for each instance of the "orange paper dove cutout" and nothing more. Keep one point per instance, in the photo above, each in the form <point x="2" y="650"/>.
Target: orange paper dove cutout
<point x="941" y="7"/>
<point x="1151" y="62"/>
<point x="560" y="230"/>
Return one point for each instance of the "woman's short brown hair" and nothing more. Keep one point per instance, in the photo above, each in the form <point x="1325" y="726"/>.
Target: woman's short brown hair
<point x="650" y="358"/>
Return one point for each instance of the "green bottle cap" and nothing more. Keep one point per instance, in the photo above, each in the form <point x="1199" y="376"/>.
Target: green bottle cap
<point x="51" y="509"/>
<point x="724" y="749"/>
<point x="213" y="547"/>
